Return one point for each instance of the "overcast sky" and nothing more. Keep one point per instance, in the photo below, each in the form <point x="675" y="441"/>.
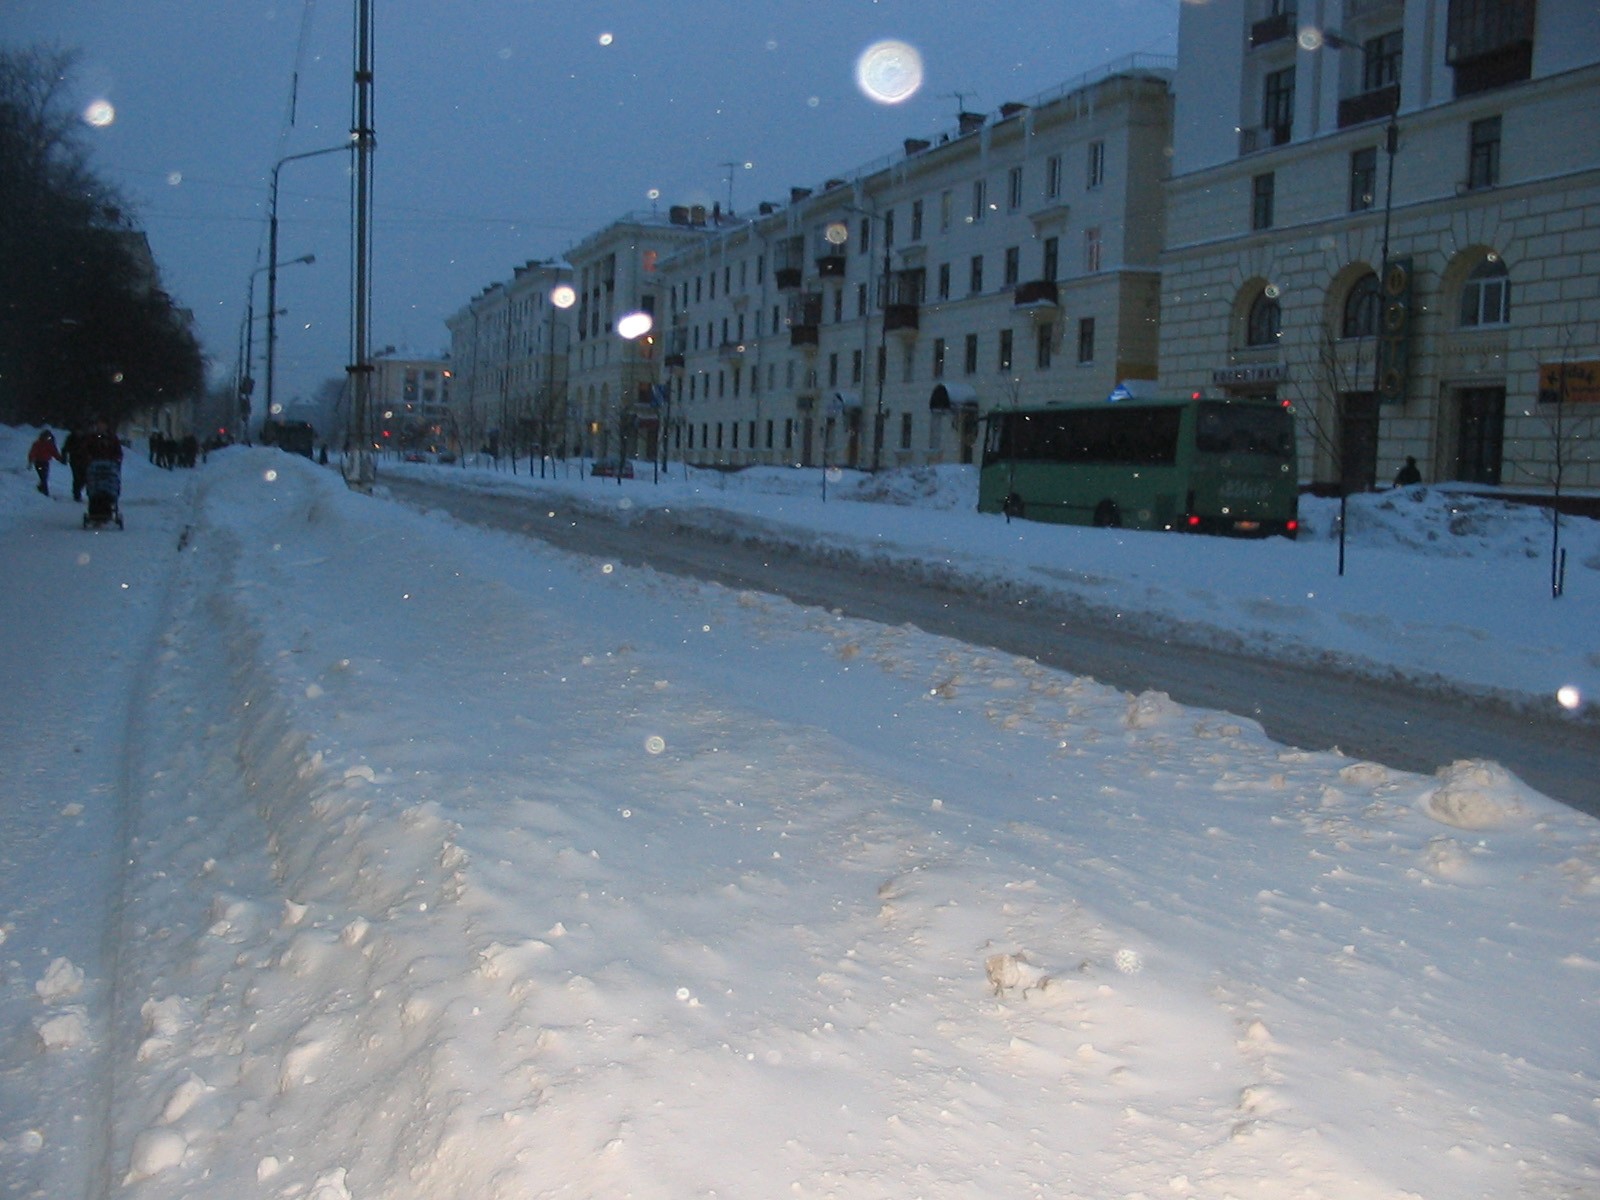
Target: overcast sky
<point x="507" y="129"/>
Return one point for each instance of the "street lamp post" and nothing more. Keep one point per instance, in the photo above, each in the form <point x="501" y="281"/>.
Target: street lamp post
<point x="272" y="257"/>
<point x="882" y="365"/>
<point x="247" y="383"/>
<point x="1391" y="144"/>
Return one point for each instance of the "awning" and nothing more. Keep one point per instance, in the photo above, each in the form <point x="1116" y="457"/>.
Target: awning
<point x="840" y="401"/>
<point x="953" y="395"/>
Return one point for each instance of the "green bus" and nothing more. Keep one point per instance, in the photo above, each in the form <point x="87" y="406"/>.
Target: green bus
<point x="1206" y="465"/>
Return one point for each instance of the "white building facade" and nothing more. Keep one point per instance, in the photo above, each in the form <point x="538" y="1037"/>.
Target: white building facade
<point x="872" y="320"/>
<point x="1455" y="318"/>
<point x="509" y="359"/>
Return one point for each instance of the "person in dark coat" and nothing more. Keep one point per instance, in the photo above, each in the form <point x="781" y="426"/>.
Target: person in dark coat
<point x="40" y="455"/>
<point x="74" y="451"/>
<point x="101" y="445"/>
<point x="1408" y="475"/>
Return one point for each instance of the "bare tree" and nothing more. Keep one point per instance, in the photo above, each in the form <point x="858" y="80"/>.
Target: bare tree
<point x="1336" y="371"/>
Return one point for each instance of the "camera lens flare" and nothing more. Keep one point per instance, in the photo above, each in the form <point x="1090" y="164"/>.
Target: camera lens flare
<point x="99" y="113"/>
<point x="889" y="72"/>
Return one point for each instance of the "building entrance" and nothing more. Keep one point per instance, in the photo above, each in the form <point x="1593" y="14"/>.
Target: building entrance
<point x="1480" y="433"/>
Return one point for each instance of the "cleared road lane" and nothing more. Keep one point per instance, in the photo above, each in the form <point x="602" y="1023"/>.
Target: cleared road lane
<point x="1316" y="708"/>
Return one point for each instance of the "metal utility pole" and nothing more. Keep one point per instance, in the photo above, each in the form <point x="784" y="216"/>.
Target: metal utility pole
<point x="272" y="260"/>
<point x="359" y="468"/>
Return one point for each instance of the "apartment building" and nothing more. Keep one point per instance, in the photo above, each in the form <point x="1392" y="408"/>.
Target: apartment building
<point x="870" y="321"/>
<point x="410" y="399"/>
<point x="1388" y="213"/>
<point x="613" y="370"/>
<point x="508" y="351"/>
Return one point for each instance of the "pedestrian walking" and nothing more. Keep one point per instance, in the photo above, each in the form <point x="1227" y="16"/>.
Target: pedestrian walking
<point x="40" y="455"/>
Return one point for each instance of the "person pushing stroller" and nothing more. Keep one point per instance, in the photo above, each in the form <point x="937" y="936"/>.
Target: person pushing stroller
<point x="102" y="458"/>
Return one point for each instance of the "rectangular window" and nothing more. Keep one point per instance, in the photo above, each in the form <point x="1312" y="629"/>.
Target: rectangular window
<point x="980" y="200"/>
<point x="1013" y="265"/>
<point x="769" y="433"/>
<point x="916" y="220"/>
<point x="865" y="241"/>
<point x="972" y="354"/>
<point x="1052" y="259"/>
<point x="908" y="363"/>
<point x="1091" y="249"/>
<point x="944" y="281"/>
<point x="1380" y="61"/>
<point x="1483" y="154"/>
<point x="976" y="281"/>
<point x="1277" y="105"/>
<point x="734" y="432"/>
<point x="788" y="433"/>
<point x="1014" y="188"/>
<point x="738" y="374"/>
<point x="946" y="203"/>
<point x="905" y="431"/>
<point x="1095" y="173"/>
<point x="1263" y="188"/>
<point x="1052" y="177"/>
<point x="1363" y="178"/>
<point x="855" y="366"/>
<point x="938" y="358"/>
<point x="888" y="230"/>
<point x="838" y="305"/>
<point x="1086" y="340"/>
<point x="1045" y="337"/>
<point x="833" y="370"/>
<point x="1005" y="350"/>
<point x="861" y="299"/>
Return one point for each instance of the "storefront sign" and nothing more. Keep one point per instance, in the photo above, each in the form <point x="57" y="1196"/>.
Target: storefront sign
<point x="1573" y="382"/>
<point x="1249" y="376"/>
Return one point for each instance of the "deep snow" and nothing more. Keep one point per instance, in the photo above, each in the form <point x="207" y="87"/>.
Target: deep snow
<point x="348" y="851"/>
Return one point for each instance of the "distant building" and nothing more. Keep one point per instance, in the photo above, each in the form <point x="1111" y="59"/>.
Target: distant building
<point x="410" y="399"/>
<point x="1444" y="319"/>
<point x="871" y="320"/>
<point x="508" y="350"/>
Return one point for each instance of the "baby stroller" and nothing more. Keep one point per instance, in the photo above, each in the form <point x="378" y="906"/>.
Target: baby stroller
<point x="103" y="487"/>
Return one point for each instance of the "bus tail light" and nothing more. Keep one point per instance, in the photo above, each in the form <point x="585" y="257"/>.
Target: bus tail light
<point x="1194" y="521"/>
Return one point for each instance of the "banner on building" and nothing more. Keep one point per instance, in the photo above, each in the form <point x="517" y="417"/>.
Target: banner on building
<point x="1569" y="382"/>
<point x="1394" y="332"/>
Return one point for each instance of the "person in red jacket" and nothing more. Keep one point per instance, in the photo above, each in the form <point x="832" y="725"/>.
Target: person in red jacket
<point x="41" y="454"/>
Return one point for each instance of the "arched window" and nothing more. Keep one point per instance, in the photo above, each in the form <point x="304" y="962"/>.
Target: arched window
<point x="1361" y="306"/>
<point x="1265" y="322"/>
<point x="1486" y="296"/>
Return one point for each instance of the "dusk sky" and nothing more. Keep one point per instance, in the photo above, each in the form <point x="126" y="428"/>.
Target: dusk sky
<point x="507" y="129"/>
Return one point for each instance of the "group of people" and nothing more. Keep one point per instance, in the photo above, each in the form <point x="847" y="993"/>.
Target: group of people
<point x="169" y="452"/>
<point x="82" y="447"/>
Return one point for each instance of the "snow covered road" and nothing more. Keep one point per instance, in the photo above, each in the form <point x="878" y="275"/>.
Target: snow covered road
<point x="459" y="867"/>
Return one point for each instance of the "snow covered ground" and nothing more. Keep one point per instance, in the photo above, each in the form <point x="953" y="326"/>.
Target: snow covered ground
<point x="350" y="852"/>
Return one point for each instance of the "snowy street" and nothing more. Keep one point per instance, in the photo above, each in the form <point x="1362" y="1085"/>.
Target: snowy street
<point x="350" y="852"/>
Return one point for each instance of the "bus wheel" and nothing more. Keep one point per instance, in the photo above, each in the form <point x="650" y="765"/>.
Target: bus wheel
<point x="1012" y="506"/>
<point x="1107" y="515"/>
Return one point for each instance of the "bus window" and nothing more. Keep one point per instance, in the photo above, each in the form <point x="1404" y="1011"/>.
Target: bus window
<point x="1243" y="429"/>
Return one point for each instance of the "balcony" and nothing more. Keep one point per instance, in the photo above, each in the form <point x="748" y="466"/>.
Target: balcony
<point x="1273" y="29"/>
<point x="803" y="335"/>
<point x="786" y="278"/>
<point x="831" y="266"/>
<point x="731" y="351"/>
<point x="1369" y="106"/>
<point x="674" y="361"/>
<point x="1037" y="293"/>
<point x="900" y="318"/>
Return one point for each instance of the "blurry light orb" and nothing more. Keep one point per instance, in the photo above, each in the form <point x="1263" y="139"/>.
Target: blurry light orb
<point x="889" y="71"/>
<point x="837" y="233"/>
<point x="813" y="101"/>
<point x="99" y="113"/>
<point x="505" y="51"/>
<point x="635" y="324"/>
<point x="1272" y="291"/>
<point x="655" y="744"/>
<point x="606" y="39"/>
<point x="174" y="178"/>
<point x="1569" y="697"/>
<point x="1310" y="39"/>
<point x="653" y="194"/>
<point x="772" y="43"/>
<point x="562" y="296"/>
<point x="270" y="476"/>
<point x="607" y="568"/>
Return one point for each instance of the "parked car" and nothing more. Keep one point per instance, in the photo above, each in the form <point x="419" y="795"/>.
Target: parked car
<point x="610" y="468"/>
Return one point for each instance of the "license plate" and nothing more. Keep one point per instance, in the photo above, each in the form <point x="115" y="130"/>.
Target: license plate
<point x="1247" y="526"/>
